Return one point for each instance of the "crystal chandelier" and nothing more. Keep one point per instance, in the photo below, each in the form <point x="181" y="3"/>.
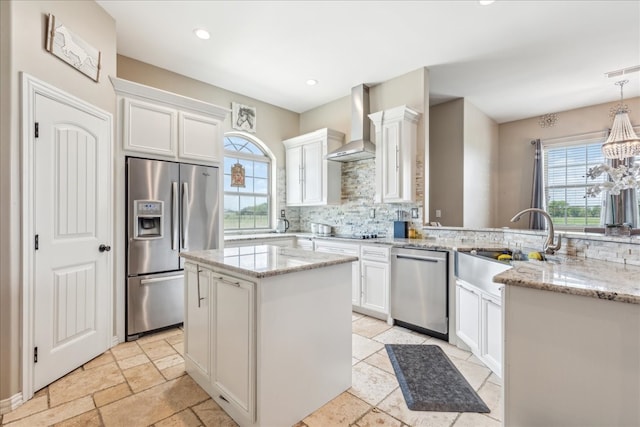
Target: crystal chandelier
<point x="623" y="141"/>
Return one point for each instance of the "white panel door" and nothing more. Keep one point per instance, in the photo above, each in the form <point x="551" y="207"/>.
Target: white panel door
<point x="72" y="318"/>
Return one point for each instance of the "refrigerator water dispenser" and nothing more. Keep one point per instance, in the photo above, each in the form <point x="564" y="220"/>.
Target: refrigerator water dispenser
<point x="148" y="219"/>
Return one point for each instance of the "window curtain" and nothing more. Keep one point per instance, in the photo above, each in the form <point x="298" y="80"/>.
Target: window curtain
<point x="536" y="222"/>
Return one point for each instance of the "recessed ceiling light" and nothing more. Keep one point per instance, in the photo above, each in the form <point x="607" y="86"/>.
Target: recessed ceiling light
<point x="485" y="2"/>
<point x="201" y="33"/>
<point x="312" y="82"/>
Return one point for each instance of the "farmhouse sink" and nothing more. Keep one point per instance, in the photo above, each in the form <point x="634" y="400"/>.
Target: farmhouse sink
<point x="516" y="255"/>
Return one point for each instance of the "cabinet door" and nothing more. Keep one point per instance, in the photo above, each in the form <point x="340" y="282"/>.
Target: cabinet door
<point x="391" y="182"/>
<point x="199" y="137"/>
<point x="375" y="285"/>
<point x="306" y="244"/>
<point x="294" y="176"/>
<point x="491" y="349"/>
<point x="345" y="249"/>
<point x="149" y="128"/>
<point x="468" y="316"/>
<point x="197" y="330"/>
<point x="312" y="162"/>
<point x="234" y="344"/>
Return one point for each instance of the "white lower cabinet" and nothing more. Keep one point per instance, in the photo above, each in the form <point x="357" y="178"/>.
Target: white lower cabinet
<point x="220" y="340"/>
<point x="375" y="275"/>
<point x="197" y="325"/>
<point x="479" y="323"/>
<point x="233" y="361"/>
<point x="370" y="275"/>
<point x="305" y="243"/>
<point x="468" y="315"/>
<point x="333" y="247"/>
<point x="269" y="350"/>
<point x="491" y="333"/>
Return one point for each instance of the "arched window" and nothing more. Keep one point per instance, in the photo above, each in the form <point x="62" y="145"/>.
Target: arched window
<point x="247" y="183"/>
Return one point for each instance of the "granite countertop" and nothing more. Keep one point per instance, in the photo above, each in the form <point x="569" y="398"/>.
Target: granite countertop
<point x="577" y="276"/>
<point x="563" y="274"/>
<point x="254" y="236"/>
<point x="262" y="261"/>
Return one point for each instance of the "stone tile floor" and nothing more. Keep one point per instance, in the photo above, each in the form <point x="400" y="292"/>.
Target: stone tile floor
<point x="143" y="383"/>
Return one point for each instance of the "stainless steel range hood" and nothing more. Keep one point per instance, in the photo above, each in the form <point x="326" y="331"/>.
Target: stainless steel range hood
<point x="360" y="147"/>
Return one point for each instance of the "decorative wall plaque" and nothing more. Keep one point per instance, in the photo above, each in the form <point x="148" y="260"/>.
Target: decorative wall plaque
<point x="237" y="175"/>
<point x="548" y="120"/>
<point x="243" y="117"/>
<point x="70" y="48"/>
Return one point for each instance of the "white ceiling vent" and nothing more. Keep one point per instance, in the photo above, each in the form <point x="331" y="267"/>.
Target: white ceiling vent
<point x="624" y="71"/>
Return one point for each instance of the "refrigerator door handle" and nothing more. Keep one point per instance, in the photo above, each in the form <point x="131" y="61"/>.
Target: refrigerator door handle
<point x="185" y="214"/>
<point x="160" y="279"/>
<point x="174" y="216"/>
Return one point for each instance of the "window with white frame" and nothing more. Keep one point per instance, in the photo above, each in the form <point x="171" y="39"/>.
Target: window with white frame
<point x="247" y="183"/>
<point x="566" y="181"/>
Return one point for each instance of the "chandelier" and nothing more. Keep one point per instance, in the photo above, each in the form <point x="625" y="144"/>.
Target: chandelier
<point x="622" y="141"/>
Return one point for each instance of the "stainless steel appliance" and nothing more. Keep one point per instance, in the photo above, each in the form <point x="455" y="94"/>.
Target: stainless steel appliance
<point x="360" y="147"/>
<point x="419" y="290"/>
<point x="171" y="207"/>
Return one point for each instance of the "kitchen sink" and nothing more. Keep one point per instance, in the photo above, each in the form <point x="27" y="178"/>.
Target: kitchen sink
<point x="516" y="255"/>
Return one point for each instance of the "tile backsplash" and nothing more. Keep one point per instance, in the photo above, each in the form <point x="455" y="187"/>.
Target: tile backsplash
<point x="622" y="250"/>
<point x="354" y="214"/>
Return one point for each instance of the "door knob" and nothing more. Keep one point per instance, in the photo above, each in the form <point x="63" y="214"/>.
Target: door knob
<point x="104" y="248"/>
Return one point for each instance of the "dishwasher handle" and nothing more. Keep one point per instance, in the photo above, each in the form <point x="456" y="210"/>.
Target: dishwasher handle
<point x="418" y="258"/>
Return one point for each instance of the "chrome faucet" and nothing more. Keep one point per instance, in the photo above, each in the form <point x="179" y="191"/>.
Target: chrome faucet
<point x="549" y="247"/>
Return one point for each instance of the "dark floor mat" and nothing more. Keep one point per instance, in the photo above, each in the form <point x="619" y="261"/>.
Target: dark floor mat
<point x="430" y="381"/>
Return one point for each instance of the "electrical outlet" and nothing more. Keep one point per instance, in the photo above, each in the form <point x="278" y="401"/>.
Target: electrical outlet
<point x="282" y="215"/>
<point x="414" y="212"/>
<point x="438" y="213"/>
<point x="372" y="213"/>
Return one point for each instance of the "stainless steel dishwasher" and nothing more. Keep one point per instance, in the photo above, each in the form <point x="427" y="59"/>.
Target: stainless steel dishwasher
<point x="420" y="290"/>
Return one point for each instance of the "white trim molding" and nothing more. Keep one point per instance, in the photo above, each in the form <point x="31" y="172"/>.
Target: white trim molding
<point x="31" y="87"/>
<point x="11" y="403"/>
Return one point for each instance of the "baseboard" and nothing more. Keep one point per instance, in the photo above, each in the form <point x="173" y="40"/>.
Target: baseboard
<point x="115" y="341"/>
<point x="11" y="403"/>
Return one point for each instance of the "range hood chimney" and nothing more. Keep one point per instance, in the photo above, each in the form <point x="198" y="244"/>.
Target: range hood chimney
<point x="360" y="147"/>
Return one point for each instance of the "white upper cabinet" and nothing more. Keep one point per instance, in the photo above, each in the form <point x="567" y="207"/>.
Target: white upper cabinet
<point x="166" y="125"/>
<point x="200" y="137"/>
<point x="311" y="180"/>
<point x="396" y="140"/>
<point x="148" y="127"/>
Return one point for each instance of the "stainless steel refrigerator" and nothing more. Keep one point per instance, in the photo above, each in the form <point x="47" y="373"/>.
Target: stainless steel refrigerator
<point x="171" y="207"/>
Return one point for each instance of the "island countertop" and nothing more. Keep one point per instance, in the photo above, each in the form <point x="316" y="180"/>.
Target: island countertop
<point x="261" y="261"/>
<point x="577" y="276"/>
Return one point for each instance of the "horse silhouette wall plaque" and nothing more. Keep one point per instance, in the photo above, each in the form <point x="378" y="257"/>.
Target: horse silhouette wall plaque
<point x="66" y="45"/>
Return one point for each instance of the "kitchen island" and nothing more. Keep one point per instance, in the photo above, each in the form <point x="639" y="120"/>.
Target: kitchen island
<point x="268" y="330"/>
<point x="571" y="343"/>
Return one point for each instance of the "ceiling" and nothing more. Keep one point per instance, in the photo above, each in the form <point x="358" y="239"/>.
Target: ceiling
<point x="512" y="59"/>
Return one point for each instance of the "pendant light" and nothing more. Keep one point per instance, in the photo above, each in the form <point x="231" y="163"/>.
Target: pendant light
<point x="622" y="141"/>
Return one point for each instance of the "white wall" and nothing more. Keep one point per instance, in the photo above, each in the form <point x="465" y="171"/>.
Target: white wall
<point x="23" y="50"/>
<point x="516" y="153"/>
<point x="480" y="168"/>
<point x="446" y="166"/>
